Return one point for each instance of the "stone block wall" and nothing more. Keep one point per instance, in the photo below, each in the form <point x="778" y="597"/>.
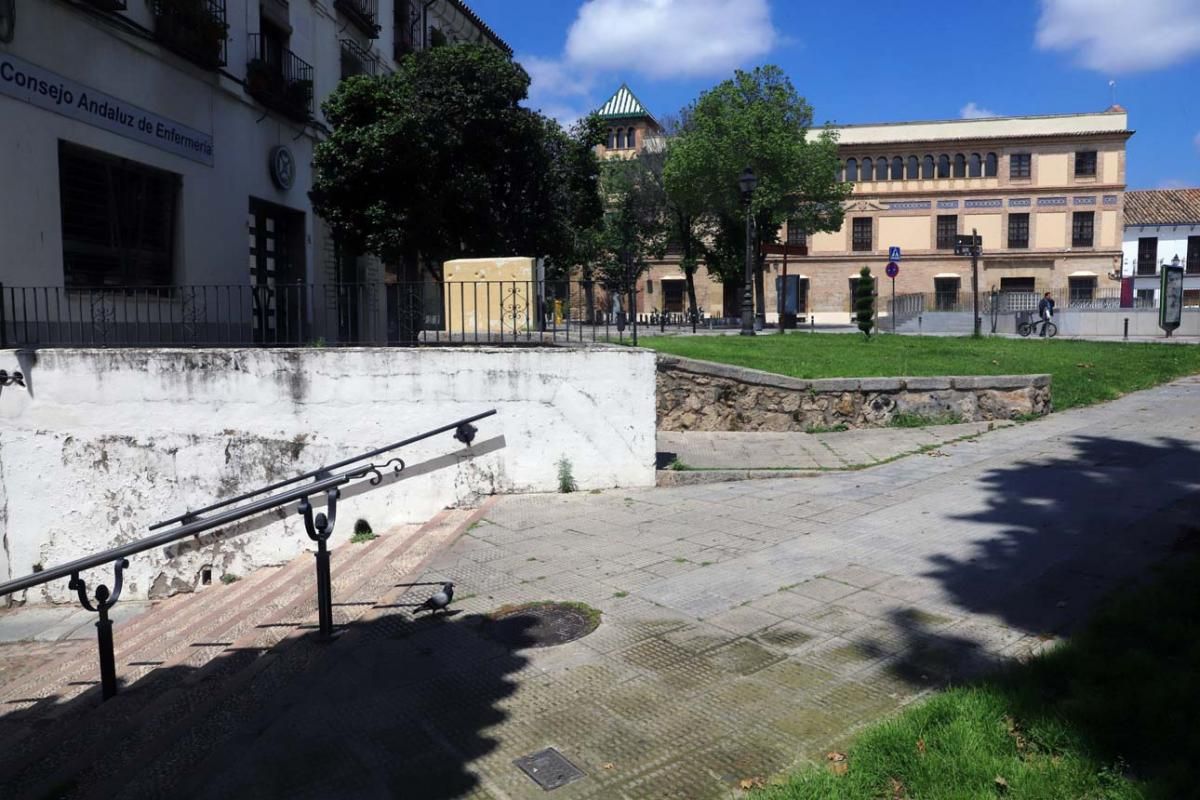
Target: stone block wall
<point x="703" y="396"/>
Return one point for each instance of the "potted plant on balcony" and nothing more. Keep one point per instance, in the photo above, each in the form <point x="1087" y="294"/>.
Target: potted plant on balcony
<point x="193" y="28"/>
<point x="297" y="95"/>
<point x="260" y="77"/>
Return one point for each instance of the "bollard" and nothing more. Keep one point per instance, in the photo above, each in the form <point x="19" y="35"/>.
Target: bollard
<point x="1127" y="327"/>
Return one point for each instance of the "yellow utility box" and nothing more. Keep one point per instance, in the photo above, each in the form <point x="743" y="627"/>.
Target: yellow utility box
<point x="499" y="296"/>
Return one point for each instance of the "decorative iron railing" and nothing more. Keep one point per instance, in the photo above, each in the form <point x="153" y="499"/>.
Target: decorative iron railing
<point x="195" y="29"/>
<point x="357" y="60"/>
<point x="319" y="527"/>
<point x="279" y="79"/>
<point x="108" y="5"/>
<point x="363" y="13"/>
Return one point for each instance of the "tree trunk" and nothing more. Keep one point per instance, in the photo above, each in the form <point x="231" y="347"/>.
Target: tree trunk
<point x="760" y="293"/>
<point x="690" y="277"/>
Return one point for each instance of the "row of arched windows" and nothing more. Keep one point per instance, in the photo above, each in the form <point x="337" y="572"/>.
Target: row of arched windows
<point x="913" y="168"/>
<point x="622" y="138"/>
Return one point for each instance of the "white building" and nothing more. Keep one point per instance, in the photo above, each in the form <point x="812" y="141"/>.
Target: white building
<point x="1162" y="225"/>
<point x="168" y="143"/>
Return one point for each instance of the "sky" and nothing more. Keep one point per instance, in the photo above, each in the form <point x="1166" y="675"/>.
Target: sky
<point x="860" y="61"/>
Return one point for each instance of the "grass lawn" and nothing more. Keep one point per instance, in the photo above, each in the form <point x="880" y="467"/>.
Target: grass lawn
<point x="1084" y="372"/>
<point x="1111" y="714"/>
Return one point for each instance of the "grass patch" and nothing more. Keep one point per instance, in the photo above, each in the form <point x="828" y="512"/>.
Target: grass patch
<point x="839" y="428"/>
<point x="1083" y="372"/>
<point x="921" y="420"/>
<point x="593" y="615"/>
<point x="1109" y="715"/>
<point x="678" y="466"/>
<point x="362" y="532"/>
<point x="229" y="578"/>
<point x="619" y="595"/>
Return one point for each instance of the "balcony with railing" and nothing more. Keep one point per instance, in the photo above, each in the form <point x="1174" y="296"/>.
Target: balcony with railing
<point x="1146" y="267"/>
<point x="363" y="13"/>
<point x="195" y="29"/>
<point x="357" y="60"/>
<point x="279" y="79"/>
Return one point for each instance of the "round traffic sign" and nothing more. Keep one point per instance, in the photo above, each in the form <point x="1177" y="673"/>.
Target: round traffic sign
<point x="893" y="269"/>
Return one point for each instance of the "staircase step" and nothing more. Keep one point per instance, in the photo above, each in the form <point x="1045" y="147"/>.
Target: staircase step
<point x="193" y="680"/>
<point x="234" y="626"/>
<point x="181" y="754"/>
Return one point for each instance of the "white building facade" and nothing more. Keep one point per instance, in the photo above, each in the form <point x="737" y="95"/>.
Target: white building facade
<point x="167" y="143"/>
<point x="1162" y="227"/>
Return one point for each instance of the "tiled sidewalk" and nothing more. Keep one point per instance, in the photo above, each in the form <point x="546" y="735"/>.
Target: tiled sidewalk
<point x="747" y="627"/>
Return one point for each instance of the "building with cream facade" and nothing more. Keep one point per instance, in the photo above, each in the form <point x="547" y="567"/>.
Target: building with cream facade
<point x="1045" y="193"/>
<point x="153" y="144"/>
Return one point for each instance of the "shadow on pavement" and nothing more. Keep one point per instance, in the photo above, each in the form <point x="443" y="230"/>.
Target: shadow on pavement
<point x="394" y="707"/>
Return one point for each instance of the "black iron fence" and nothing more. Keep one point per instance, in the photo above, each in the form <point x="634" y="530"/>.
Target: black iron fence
<point x="330" y="314"/>
<point x="908" y="306"/>
<point x="279" y="78"/>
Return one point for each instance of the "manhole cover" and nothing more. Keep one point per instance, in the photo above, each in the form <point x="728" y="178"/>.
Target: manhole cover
<point x="549" y="768"/>
<point x="542" y="624"/>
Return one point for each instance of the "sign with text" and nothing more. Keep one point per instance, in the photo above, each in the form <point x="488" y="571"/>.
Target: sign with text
<point x="52" y="92"/>
<point x="1170" y="305"/>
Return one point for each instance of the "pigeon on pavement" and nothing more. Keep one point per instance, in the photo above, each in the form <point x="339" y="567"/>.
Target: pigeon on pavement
<point x="439" y="601"/>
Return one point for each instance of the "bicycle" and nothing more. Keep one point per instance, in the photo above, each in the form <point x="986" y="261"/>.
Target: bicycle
<point x="1027" y="327"/>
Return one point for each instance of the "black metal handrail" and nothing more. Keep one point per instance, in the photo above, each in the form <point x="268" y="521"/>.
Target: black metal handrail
<point x="279" y="78"/>
<point x="362" y="13"/>
<point x="196" y="29"/>
<point x="319" y="527"/>
<point x="323" y="471"/>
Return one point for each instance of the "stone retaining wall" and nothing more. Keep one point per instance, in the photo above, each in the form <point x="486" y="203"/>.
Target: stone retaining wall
<point x="703" y="396"/>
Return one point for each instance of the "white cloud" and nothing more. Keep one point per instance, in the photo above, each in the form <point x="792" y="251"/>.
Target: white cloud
<point x="1173" y="183"/>
<point x="615" y="40"/>
<point x="1121" y="36"/>
<point x="972" y="111"/>
<point x="557" y="89"/>
<point x="670" y="38"/>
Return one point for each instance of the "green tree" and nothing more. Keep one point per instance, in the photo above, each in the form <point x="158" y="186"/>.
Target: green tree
<point x="758" y="120"/>
<point x="439" y="160"/>
<point x="864" y="301"/>
<point x="634" y="228"/>
<point x="689" y="224"/>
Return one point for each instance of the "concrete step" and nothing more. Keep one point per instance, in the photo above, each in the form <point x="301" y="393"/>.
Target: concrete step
<point x="274" y="635"/>
<point x="188" y="637"/>
<point x="194" y="746"/>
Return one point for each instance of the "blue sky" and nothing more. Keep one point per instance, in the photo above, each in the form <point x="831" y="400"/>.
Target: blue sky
<point x="883" y="60"/>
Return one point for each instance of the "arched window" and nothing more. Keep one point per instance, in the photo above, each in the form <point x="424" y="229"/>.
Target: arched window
<point x="612" y="139"/>
<point x="943" y="166"/>
<point x="975" y="166"/>
<point x="620" y="138"/>
<point x="881" y="168"/>
<point x="927" y="167"/>
<point x="631" y="138"/>
<point x="851" y="169"/>
<point x="897" y="168"/>
<point x="868" y="169"/>
<point x="990" y="165"/>
<point x="913" y="168"/>
<point x="960" y="166"/>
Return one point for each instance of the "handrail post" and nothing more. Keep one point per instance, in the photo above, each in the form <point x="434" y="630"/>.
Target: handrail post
<point x="319" y="529"/>
<point x="104" y="638"/>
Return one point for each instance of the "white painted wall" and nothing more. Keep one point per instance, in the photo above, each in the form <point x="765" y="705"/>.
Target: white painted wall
<point x="106" y="442"/>
<point x="1172" y="242"/>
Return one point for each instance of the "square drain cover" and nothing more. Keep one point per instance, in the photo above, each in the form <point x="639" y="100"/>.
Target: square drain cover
<point x="549" y="768"/>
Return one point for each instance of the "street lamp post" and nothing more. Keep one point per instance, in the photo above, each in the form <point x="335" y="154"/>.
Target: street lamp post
<point x="747" y="183"/>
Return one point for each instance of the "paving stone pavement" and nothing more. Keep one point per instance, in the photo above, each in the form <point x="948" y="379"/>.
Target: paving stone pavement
<point x="747" y="627"/>
<point x="761" y="450"/>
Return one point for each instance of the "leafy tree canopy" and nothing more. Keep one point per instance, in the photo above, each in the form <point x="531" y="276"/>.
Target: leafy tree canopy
<point x="758" y="120"/>
<point x="439" y="159"/>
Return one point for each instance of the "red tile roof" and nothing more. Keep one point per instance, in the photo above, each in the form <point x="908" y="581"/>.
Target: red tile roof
<point x="1163" y="207"/>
